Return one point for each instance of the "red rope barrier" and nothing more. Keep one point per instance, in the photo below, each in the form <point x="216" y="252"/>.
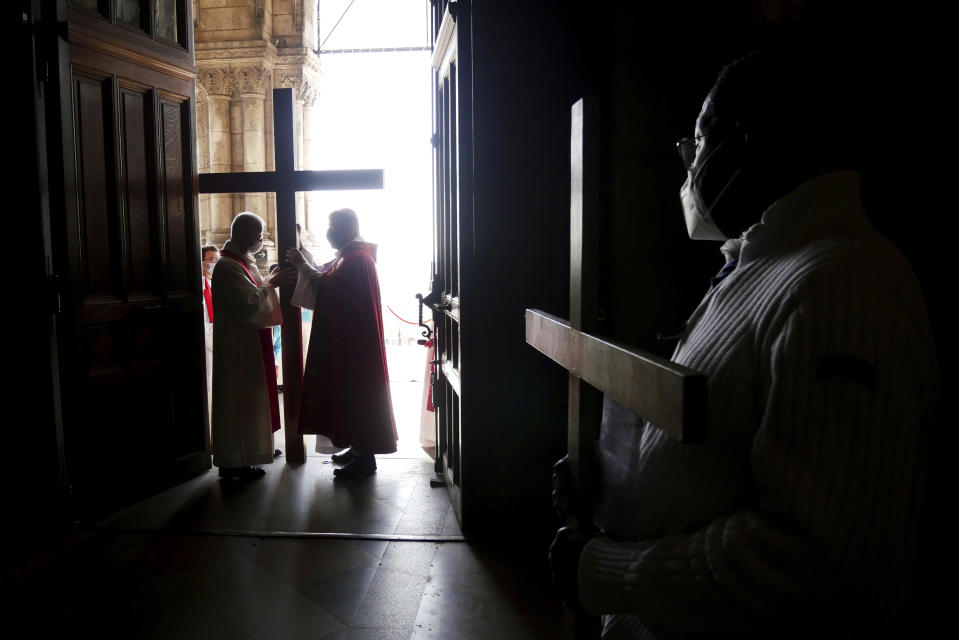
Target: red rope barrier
<point x="403" y="319"/>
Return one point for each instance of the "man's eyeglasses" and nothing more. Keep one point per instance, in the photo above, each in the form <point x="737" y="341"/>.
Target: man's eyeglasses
<point x="687" y="150"/>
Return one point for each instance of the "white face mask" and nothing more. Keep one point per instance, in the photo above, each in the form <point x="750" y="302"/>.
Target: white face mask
<point x="699" y="224"/>
<point x="208" y="267"/>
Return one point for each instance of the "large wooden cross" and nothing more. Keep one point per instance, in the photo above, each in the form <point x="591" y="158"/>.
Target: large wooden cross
<point x="670" y="396"/>
<point x="285" y="181"/>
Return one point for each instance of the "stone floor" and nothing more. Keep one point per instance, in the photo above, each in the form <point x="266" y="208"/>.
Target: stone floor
<point x="293" y="555"/>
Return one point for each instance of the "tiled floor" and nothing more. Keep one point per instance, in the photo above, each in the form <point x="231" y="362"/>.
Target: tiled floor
<point x="208" y="559"/>
<point x="397" y="499"/>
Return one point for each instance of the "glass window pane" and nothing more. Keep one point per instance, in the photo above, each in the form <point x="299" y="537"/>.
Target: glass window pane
<point x="128" y="12"/>
<point x="89" y="5"/>
<point x="166" y="19"/>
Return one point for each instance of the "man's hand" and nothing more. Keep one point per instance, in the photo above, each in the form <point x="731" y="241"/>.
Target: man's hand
<point x="280" y="277"/>
<point x="294" y="257"/>
<point x="564" y="556"/>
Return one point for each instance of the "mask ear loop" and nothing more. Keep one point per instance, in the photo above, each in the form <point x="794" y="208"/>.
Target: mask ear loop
<point x="707" y="213"/>
<point x="719" y="146"/>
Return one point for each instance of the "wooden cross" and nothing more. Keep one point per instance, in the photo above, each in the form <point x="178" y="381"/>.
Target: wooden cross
<point x="670" y="396"/>
<point x="285" y="181"/>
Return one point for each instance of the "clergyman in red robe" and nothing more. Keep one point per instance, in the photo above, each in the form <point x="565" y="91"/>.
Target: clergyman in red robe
<point x="346" y="385"/>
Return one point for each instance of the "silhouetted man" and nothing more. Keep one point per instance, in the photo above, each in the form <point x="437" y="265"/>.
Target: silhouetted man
<point x="797" y="517"/>
<point x="346" y="385"/>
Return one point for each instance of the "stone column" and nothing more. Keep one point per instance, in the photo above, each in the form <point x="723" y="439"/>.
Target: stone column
<point x="254" y="151"/>
<point x="221" y="161"/>
<point x="310" y="217"/>
<point x="203" y="160"/>
<point x="236" y="147"/>
<point x="300" y="164"/>
<point x="269" y="214"/>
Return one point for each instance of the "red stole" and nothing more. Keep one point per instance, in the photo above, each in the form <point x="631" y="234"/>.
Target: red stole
<point x="208" y="298"/>
<point x="266" y="350"/>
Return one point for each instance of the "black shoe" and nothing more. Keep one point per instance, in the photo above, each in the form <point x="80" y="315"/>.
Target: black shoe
<point x="360" y="467"/>
<point x="343" y="457"/>
<point x="251" y="473"/>
<point x="230" y="473"/>
<point x="241" y="473"/>
<point x="277" y="453"/>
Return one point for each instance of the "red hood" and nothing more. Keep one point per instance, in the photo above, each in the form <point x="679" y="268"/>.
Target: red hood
<point x="358" y="245"/>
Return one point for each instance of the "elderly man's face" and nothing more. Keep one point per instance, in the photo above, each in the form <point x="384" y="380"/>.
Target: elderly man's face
<point x="251" y="238"/>
<point x="339" y="234"/>
<point x="715" y="172"/>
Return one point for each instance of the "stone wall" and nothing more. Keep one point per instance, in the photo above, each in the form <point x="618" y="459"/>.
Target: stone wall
<point x="244" y="49"/>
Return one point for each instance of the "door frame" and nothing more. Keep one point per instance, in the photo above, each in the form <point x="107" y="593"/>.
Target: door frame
<point x="453" y="201"/>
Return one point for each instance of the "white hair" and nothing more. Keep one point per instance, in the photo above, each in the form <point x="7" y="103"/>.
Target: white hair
<point x="245" y="220"/>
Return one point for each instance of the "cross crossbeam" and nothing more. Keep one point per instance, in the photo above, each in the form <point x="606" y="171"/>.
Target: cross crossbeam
<point x="285" y="181"/>
<point x="670" y="396"/>
<point x="268" y="181"/>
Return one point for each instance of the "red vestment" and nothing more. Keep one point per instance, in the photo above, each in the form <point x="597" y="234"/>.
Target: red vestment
<point x="346" y="385"/>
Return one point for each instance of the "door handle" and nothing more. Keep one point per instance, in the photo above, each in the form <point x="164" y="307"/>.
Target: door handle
<point x="427" y="332"/>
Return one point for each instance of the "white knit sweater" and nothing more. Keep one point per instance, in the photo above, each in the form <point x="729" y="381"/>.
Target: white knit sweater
<point x="805" y="498"/>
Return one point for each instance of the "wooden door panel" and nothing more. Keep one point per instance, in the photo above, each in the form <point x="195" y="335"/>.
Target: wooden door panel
<point x="96" y="232"/>
<point x="176" y="192"/>
<point x="137" y="184"/>
<point x="188" y="435"/>
<point x="132" y="333"/>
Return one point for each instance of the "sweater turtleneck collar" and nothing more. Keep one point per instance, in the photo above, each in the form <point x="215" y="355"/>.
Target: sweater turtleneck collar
<point x="828" y="204"/>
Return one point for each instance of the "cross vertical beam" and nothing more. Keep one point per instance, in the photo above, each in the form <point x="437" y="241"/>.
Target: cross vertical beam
<point x="585" y="402"/>
<point x="291" y="335"/>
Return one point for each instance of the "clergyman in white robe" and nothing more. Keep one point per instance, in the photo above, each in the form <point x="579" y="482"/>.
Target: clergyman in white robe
<point x="242" y="426"/>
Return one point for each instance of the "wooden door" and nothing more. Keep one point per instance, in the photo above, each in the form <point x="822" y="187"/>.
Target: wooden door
<point x="452" y="229"/>
<point x="130" y="331"/>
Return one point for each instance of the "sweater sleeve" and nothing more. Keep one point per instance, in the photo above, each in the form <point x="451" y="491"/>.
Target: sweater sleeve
<point x="837" y="461"/>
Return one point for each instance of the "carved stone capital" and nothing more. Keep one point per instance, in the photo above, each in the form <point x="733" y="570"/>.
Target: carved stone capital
<point x="253" y="80"/>
<point x="217" y="82"/>
<point x="301" y="71"/>
<point x="235" y="81"/>
<point x="307" y="89"/>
